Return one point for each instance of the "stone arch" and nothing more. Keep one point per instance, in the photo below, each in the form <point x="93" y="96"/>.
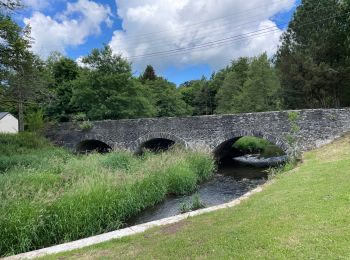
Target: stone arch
<point x="231" y="137"/>
<point x="157" y="136"/>
<point x="90" y="145"/>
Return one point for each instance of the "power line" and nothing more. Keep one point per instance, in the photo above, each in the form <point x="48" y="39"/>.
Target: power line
<point x="166" y="43"/>
<point x="213" y="31"/>
<point x="202" y="33"/>
<point x="217" y="43"/>
<point x="211" y="20"/>
<point x="228" y="39"/>
<point x="155" y="39"/>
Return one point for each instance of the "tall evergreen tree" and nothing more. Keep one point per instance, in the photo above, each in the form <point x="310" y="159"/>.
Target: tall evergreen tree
<point x="149" y="74"/>
<point x="313" y="60"/>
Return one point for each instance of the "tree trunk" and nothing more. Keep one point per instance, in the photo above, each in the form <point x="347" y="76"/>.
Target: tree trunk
<point x="20" y="117"/>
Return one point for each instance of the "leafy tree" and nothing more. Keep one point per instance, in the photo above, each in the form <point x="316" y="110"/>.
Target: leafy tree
<point x="106" y="89"/>
<point x="166" y="98"/>
<point x="313" y="60"/>
<point x="204" y="98"/>
<point x="249" y="85"/>
<point x="261" y="90"/>
<point x="199" y="96"/>
<point x="226" y="94"/>
<point x="25" y="84"/>
<point x="62" y="70"/>
<point x="234" y="78"/>
<point x="187" y="91"/>
<point x="20" y="70"/>
<point x="149" y="74"/>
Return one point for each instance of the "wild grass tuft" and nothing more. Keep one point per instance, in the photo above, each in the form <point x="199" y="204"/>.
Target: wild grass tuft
<point x="195" y="204"/>
<point x="50" y="196"/>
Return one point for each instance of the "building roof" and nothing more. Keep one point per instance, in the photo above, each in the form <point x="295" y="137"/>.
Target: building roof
<point x="3" y="114"/>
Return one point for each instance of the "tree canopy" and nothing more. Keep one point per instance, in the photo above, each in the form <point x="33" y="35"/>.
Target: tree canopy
<point x="311" y="69"/>
<point x="313" y="60"/>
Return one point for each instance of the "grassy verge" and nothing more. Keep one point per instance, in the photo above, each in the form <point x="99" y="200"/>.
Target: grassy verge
<point x="302" y="214"/>
<point x="49" y="196"/>
<point x="251" y="144"/>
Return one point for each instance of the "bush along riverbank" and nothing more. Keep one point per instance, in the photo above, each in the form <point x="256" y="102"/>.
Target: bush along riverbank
<point x="256" y="145"/>
<point x="50" y="196"/>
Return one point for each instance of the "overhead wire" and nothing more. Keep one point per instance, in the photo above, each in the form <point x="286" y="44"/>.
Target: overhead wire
<point x="212" y="44"/>
<point x="157" y="43"/>
<point x="226" y="40"/>
<point x="212" y="31"/>
<point x="185" y="27"/>
<point x="138" y="37"/>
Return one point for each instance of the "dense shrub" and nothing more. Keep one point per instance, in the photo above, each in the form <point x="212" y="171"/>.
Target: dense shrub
<point x="251" y="144"/>
<point x="49" y="196"/>
<point x="86" y="126"/>
<point x="35" y="121"/>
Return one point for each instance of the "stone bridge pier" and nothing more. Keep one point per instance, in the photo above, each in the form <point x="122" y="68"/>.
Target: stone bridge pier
<point x="213" y="133"/>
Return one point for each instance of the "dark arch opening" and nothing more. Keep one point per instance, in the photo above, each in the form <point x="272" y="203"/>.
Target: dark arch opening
<point x="226" y="151"/>
<point x="89" y="146"/>
<point x="251" y="155"/>
<point x="157" y="145"/>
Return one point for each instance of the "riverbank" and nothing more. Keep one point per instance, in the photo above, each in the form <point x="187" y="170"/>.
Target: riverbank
<point x="303" y="214"/>
<point x="49" y="196"/>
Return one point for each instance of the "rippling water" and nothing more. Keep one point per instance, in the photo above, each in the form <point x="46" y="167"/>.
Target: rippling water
<point x="228" y="184"/>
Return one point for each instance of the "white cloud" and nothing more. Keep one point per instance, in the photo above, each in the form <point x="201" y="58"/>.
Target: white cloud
<point x="184" y="24"/>
<point x="36" y="4"/>
<point x="69" y="28"/>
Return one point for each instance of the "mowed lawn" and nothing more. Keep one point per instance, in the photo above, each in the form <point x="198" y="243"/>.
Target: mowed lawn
<point x="301" y="214"/>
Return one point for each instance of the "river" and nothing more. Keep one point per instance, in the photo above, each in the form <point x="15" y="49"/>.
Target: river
<point x="230" y="182"/>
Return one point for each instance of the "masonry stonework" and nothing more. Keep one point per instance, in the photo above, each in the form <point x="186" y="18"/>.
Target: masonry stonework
<point x="317" y="127"/>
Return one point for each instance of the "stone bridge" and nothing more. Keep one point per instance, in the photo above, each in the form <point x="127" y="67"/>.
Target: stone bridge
<point x="215" y="133"/>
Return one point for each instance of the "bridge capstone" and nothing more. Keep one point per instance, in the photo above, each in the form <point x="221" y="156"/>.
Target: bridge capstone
<point x="317" y="127"/>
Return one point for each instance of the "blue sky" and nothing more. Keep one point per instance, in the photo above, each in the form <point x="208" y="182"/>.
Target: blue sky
<point x="80" y="31"/>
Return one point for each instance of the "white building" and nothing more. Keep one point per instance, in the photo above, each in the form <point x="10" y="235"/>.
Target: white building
<point x="8" y="123"/>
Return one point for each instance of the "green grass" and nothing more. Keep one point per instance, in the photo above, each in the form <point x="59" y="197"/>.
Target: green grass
<point x="49" y="196"/>
<point x="251" y="144"/>
<point x="28" y="150"/>
<point x="300" y="214"/>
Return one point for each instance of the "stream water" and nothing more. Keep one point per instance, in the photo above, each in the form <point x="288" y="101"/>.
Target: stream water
<point x="230" y="182"/>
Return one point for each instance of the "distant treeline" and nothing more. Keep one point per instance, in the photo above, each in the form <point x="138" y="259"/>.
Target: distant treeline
<point x="311" y="69"/>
